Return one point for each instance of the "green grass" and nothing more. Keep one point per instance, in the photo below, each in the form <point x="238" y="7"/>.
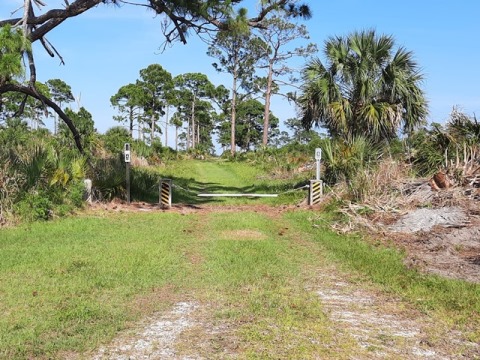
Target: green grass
<point x="454" y="301"/>
<point x="63" y="284"/>
<point x="70" y="285"/>
<point x="220" y="176"/>
<point x="260" y="276"/>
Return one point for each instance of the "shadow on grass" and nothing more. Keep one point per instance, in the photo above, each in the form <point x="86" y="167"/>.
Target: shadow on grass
<point x="186" y="190"/>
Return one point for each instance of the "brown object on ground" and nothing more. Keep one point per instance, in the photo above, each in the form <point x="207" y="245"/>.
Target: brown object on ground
<point x="440" y="181"/>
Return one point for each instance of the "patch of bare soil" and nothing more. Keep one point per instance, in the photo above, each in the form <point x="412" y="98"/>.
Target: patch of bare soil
<point x="439" y="229"/>
<point x="383" y="327"/>
<point x="186" y="332"/>
<point x="155" y="339"/>
<point x="119" y="206"/>
<point x="444" y="241"/>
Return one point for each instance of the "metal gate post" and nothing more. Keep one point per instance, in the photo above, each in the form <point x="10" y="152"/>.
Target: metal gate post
<point x="165" y="189"/>
<point x="316" y="192"/>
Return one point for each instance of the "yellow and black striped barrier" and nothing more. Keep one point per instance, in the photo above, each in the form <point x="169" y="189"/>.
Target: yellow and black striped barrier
<point x="165" y="193"/>
<point x="316" y="191"/>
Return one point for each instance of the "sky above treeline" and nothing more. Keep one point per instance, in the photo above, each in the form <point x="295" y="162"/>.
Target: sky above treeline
<point x="106" y="47"/>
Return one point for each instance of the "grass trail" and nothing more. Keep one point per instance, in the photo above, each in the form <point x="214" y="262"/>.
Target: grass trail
<point x="221" y="174"/>
<point x="218" y="176"/>
<point x="70" y="285"/>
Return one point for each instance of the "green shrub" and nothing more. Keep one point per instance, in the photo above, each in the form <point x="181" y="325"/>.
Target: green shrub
<point x="35" y="205"/>
<point x="144" y="184"/>
<point x="343" y="160"/>
<point x="75" y="194"/>
<point x="108" y="178"/>
<point x="115" y="139"/>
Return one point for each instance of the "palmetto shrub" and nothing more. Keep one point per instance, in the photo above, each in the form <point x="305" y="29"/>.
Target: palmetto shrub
<point x="343" y="159"/>
<point x="38" y="179"/>
<point x="144" y="184"/>
<point x="108" y="178"/>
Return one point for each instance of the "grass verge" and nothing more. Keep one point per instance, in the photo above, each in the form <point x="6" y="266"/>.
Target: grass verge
<point x="453" y="301"/>
<point x="67" y="284"/>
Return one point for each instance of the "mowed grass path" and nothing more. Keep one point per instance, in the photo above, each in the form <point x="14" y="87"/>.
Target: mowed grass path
<point x="219" y="176"/>
<point x="69" y="286"/>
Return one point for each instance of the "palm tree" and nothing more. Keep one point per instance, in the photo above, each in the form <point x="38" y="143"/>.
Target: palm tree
<point x="364" y="89"/>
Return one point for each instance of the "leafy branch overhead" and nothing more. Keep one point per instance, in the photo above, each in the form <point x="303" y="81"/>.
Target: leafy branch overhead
<point x="181" y="16"/>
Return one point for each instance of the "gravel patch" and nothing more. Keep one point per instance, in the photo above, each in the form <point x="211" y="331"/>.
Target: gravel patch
<point x="382" y="327"/>
<point x="155" y="340"/>
<point x="425" y="219"/>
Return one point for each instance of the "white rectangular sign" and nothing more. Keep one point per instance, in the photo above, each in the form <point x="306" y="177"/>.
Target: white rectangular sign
<point x="126" y="151"/>
<point x="318" y="154"/>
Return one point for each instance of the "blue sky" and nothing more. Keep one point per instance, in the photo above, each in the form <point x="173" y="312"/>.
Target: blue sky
<point x="106" y="47"/>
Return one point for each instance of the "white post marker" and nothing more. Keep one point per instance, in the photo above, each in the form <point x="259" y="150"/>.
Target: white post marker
<point x="316" y="186"/>
<point x="126" y="152"/>
<point x="318" y="157"/>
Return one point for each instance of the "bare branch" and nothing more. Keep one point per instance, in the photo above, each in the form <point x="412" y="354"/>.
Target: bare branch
<point x="51" y="50"/>
<point x="31" y="92"/>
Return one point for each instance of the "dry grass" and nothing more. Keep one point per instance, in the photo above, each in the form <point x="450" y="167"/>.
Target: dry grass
<point x="244" y="234"/>
<point x="380" y="195"/>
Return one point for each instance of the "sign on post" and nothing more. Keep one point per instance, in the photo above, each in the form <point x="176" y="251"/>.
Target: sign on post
<point x="126" y="151"/>
<point x="318" y="157"/>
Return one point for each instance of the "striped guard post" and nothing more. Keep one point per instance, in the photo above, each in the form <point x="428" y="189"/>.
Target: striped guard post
<point x="165" y="193"/>
<point x="316" y="191"/>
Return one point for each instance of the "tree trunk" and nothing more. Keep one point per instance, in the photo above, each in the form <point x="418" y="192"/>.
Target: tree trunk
<point x="166" y="127"/>
<point x="55" y="120"/>
<point x="268" y="94"/>
<point x="176" y="138"/>
<point x="131" y="118"/>
<point x="193" y="122"/>
<point x="152" y="134"/>
<point x="233" y="115"/>
<point x="188" y="135"/>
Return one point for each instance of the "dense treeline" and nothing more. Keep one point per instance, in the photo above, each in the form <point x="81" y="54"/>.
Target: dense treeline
<point x="366" y="96"/>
